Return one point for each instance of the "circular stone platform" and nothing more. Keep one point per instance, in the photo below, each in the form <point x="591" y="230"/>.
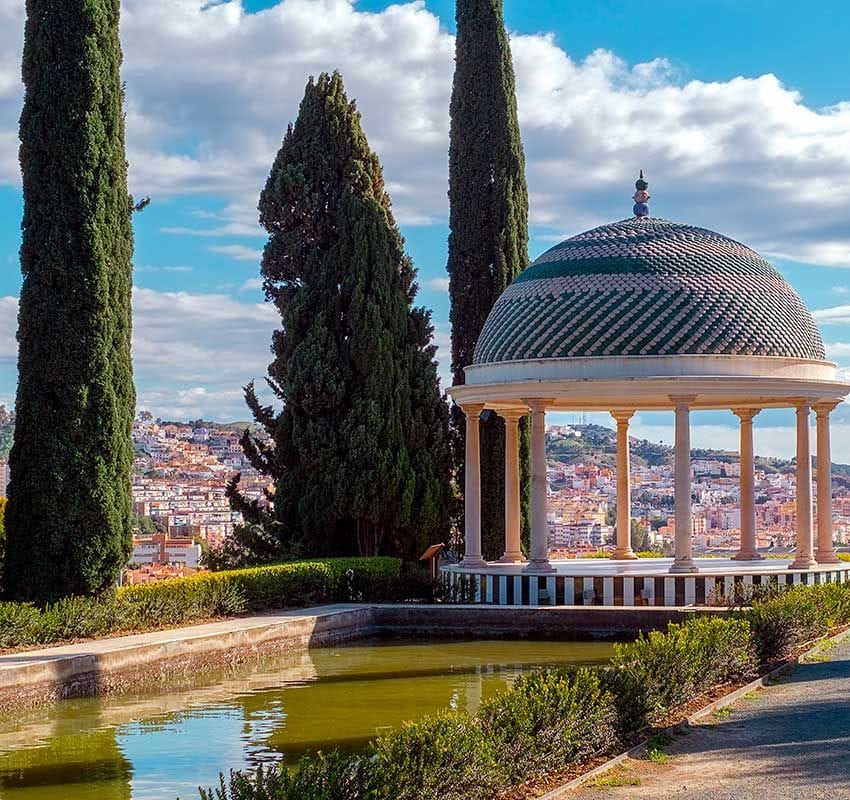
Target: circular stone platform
<point x="645" y="582"/>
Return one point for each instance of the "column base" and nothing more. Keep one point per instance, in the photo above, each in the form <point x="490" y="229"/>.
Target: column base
<point x="512" y="558"/>
<point x="539" y="566"/>
<point x="472" y="562"/>
<point x="623" y="555"/>
<point x="803" y="562"/>
<point x="827" y="558"/>
<point x="750" y="556"/>
<point x="684" y="566"/>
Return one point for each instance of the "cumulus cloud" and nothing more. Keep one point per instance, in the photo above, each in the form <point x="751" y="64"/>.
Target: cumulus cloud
<point x="238" y="252"/>
<point x="8" y="327"/>
<point x="747" y="156"/>
<point x="191" y="352"/>
<point x="437" y="284"/>
<point x="208" y="105"/>
<point x="837" y="315"/>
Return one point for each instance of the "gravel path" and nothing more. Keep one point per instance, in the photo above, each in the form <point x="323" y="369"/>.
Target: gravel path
<point x="790" y="741"/>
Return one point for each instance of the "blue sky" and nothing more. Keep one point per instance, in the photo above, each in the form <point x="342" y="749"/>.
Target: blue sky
<point x="739" y="113"/>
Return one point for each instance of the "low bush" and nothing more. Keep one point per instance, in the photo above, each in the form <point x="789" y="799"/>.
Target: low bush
<point x="660" y="671"/>
<point x="550" y="721"/>
<point x="785" y="621"/>
<point x="444" y="757"/>
<point x="203" y="596"/>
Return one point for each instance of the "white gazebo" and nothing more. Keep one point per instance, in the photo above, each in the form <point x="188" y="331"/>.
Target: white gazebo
<point x="646" y="314"/>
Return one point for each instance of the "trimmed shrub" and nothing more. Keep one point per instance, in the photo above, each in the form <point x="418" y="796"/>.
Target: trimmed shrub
<point x="674" y="667"/>
<point x="444" y="757"/>
<point x="550" y="720"/>
<point x="783" y="623"/>
<point x="204" y="596"/>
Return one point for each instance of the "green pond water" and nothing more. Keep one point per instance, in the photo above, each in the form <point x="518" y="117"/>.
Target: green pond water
<point x="151" y="745"/>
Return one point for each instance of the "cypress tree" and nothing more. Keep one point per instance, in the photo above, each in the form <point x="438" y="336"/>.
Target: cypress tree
<point x="68" y="518"/>
<point x="488" y="240"/>
<point x="354" y="468"/>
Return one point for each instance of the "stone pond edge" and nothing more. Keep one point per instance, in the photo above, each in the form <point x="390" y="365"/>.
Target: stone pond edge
<point x="126" y="663"/>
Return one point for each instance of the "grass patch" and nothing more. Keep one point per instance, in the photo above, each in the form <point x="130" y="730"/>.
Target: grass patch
<point x="722" y="713"/>
<point x="615" y="780"/>
<point x="656" y="756"/>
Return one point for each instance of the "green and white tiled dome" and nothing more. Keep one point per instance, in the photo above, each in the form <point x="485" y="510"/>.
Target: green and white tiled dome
<point x="648" y="287"/>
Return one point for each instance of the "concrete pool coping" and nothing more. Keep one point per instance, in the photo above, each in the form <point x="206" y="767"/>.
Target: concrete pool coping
<point x="122" y="663"/>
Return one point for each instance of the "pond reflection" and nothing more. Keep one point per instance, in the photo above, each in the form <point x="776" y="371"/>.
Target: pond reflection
<point x="166" y="745"/>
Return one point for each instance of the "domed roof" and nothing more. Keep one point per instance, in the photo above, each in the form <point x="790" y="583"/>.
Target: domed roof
<point x="648" y="287"/>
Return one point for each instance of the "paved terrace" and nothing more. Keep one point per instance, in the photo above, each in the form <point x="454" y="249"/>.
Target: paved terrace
<point x="787" y="742"/>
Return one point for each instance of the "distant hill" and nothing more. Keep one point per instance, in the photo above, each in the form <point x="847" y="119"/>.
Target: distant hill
<point x="598" y="445"/>
<point x="214" y="426"/>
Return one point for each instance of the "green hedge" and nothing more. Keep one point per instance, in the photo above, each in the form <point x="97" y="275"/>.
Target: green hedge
<point x="553" y="720"/>
<point x="202" y="596"/>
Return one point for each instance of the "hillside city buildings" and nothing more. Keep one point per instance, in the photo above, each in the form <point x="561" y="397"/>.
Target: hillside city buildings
<point x="582" y="498"/>
<point x="181" y="471"/>
<point x="180" y="475"/>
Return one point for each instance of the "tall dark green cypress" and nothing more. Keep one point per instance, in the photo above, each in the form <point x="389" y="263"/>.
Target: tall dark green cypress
<point x="488" y="240"/>
<point x="68" y="519"/>
<point x="354" y="468"/>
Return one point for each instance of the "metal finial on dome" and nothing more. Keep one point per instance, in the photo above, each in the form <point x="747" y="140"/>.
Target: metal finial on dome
<point x="641" y="197"/>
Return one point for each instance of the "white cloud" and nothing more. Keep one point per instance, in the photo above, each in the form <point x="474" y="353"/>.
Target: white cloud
<point x="238" y="252"/>
<point x="8" y="328"/>
<point x="437" y="284"/>
<point x="837" y="315"/>
<point x="838" y="350"/>
<point x="207" y="107"/>
<point x="177" y="268"/>
<point x="251" y="285"/>
<point x="746" y="156"/>
<point x="190" y="351"/>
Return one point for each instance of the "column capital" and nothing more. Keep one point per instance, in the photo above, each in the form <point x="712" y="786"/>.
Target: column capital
<point x="472" y="409"/>
<point x="622" y="416"/>
<point x="802" y="404"/>
<point x="512" y="414"/>
<point x="746" y="414"/>
<point x="682" y="400"/>
<point x="823" y="408"/>
<point x="538" y="404"/>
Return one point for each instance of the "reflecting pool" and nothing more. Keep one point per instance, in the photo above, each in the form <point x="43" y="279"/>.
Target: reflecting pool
<point x="166" y="745"/>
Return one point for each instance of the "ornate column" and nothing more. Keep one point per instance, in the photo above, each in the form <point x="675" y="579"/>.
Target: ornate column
<point x="825" y="550"/>
<point x="623" y="549"/>
<point x="683" y="560"/>
<point x="539" y="561"/>
<point x="747" y="551"/>
<point x="805" y="551"/>
<point x="472" y="489"/>
<point x="513" y="549"/>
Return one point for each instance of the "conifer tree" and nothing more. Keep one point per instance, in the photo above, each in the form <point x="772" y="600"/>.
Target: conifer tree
<point x="68" y="517"/>
<point x="488" y="240"/>
<point x="354" y="468"/>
